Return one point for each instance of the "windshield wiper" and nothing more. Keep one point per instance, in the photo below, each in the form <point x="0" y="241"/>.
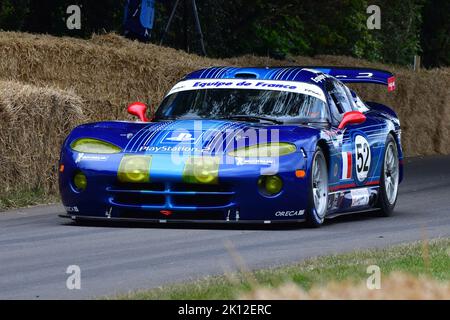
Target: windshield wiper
<point x="250" y="117"/>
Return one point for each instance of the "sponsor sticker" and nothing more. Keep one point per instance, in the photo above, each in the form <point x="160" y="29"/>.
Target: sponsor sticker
<point x="243" y="161"/>
<point x="335" y="170"/>
<point x="174" y="149"/>
<point x="127" y="135"/>
<point x="72" y="209"/>
<point x="274" y="85"/>
<point x="90" y="157"/>
<point x="319" y="78"/>
<point x="290" y="213"/>
<point x="391" y="84"/>
<point x="360" y="197"/>
<point x="182" y="137"/>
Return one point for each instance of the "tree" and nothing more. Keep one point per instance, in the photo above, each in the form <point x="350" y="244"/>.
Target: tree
<point x="13" y="13"/>
<point x="400" y="30"/>
<point x="435" y="33"/>
<point x="339" y="27"/>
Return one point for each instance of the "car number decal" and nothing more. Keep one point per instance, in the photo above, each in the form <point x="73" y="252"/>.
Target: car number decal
<point x="363" y="157"/>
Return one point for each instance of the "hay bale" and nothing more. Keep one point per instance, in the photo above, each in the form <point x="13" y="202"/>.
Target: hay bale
<point x="34" y="122"/>
<point x="422" y="103"/>
<point x="109" y="71"/>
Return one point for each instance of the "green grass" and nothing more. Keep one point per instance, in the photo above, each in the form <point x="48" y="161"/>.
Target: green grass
<point x="25" y="198"/>
<point x="421" y="258"/>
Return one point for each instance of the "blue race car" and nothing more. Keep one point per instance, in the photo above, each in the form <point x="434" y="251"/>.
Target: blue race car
<point x="241" y="145"/>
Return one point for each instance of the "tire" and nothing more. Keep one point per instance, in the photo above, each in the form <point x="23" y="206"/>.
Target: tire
<point x="318" y="191"/>
<point x="389" y="178"/>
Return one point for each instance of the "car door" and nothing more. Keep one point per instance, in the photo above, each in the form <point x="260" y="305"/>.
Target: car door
<point x="354" y="164"/>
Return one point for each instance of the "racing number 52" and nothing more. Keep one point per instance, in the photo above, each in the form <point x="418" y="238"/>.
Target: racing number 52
<point x="362" y="154"/>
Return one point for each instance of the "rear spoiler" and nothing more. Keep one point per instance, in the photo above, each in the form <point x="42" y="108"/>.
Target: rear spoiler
<point x="360" y="75"/>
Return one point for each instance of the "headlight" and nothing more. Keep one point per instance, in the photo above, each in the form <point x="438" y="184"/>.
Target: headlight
<point x="270" y="185"/>
<point x="89" y="145"/>
<point x="201" y="170"/>
<point x="134" y="169"/>
<point x="80" y="181"/>
<point x="264" y="150"/>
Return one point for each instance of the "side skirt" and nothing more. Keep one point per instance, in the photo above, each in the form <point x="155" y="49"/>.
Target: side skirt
<point x="340" y="214"/>
<point x="346" y="201"/>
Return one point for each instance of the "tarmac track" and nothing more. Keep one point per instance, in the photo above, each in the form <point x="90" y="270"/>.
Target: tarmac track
<point x="36" y="246"/>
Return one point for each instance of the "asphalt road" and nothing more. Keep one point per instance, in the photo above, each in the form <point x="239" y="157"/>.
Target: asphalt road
<point x="36" y="247"/>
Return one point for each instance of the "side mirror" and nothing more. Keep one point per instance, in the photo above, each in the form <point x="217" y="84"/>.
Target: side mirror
<point x="139" y="110"/>
<point x="352" y="117"/>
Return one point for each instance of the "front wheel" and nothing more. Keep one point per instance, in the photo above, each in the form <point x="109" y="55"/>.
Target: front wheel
<point x="389" y="179"/>
<point x="318" y="191"/>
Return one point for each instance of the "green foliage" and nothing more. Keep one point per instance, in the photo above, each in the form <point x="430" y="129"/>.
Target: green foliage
<point x="400" y="30"/>
<point x="339" y="27"/>
<point x="276" y="28"/>
<point x="24" y="197"/>
<point x="281" y="33"/>
<point x="49" y="16"/>
<point x="435" y="33"/>
<point x="13" y="13"/>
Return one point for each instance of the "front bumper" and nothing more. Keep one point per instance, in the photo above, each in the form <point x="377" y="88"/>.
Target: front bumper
<point x="166" y="198"/>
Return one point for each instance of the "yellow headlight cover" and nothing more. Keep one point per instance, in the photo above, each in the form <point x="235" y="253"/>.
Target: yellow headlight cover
<point x="273" y="184"/>
<point x="90" y="145"/>
<point x="201" y="169"/>
<point x="274" y="149"/>
<point x="80" y="181"/>
<point x="134" y="169"/>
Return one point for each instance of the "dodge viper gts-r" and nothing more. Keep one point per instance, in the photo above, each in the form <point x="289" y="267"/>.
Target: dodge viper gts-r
<point x="241" y="145"/>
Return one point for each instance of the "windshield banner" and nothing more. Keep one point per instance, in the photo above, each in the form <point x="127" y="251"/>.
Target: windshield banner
<point x="288" y="86"/>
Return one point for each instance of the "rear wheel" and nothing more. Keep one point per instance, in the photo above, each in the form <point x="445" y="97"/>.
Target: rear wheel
<point x="389" y="179"/>
<point x="318" y="191"/>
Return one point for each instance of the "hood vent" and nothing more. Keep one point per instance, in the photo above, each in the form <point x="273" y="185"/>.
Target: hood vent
<point x="246" y="75"/>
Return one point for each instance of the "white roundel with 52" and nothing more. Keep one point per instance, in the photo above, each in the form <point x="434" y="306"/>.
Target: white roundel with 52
<point x="363" y="157"/>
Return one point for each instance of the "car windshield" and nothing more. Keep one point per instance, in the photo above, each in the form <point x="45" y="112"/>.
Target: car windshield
<point x="225" y="103"/>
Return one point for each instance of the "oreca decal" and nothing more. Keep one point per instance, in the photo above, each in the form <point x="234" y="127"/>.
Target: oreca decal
<point x="291" y="213"/>
<point x="363" y="157"/>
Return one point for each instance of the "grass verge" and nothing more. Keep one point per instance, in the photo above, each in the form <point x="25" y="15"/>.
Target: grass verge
<point x="420" y="259"/>
<point x="25" y="198"/>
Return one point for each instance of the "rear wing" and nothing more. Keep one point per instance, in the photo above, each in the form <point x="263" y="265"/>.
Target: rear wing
<point x="360" y="75"/>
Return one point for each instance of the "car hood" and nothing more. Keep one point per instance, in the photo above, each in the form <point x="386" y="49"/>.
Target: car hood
<point x="194" y="136"/>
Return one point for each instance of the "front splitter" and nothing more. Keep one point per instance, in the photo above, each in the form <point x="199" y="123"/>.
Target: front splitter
<point x="179" y="221"/>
